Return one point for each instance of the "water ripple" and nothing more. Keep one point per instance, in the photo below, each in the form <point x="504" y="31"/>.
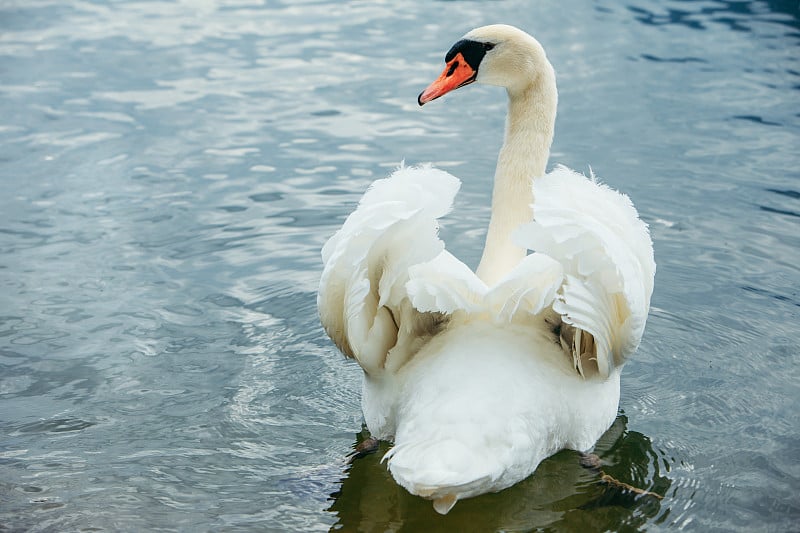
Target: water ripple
<point x="171" y="171"/>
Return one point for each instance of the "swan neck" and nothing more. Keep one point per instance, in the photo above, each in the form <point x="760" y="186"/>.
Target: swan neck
<point x="523" y="158"/>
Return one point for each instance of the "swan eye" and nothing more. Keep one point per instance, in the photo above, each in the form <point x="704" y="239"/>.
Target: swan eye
<point x="488" y="46"/>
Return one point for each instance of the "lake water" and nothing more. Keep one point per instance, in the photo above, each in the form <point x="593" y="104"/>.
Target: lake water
<point x="170" y="171"/>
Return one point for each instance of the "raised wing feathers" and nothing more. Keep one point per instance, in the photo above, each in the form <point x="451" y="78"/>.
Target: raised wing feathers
<point x="362" y="301"/>
<point x="446" y="285"/>
<point x="596" y="235"/>
<point x="388" y="284"/>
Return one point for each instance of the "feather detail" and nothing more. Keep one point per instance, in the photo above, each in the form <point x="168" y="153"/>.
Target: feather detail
<point x="362" y="292"/>
<point x="595" y="233"/>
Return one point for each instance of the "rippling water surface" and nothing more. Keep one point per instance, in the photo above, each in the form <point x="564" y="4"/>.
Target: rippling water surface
<point x="170" y="170"/>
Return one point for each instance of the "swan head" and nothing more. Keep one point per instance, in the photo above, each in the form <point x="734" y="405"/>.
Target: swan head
<point x="499" y="55"/>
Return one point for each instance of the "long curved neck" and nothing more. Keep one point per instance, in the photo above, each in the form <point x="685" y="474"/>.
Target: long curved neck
<point x="523" y="157"/>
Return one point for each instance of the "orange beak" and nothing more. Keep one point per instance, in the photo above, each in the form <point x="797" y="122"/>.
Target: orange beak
<point x="457" y="73"/>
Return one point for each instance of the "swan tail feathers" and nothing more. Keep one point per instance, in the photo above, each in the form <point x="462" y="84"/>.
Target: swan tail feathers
<point x="444" y="472"/>
<point x="443" y="504"/>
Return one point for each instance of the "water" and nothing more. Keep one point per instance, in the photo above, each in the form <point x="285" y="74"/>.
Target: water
<point x="170" y="170"/>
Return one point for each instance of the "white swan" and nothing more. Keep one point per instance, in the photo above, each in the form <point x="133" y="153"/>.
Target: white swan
<point x="479" y="377"/>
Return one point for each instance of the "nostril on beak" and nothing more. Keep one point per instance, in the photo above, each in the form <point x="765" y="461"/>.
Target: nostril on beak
<point x="453" y="68"/>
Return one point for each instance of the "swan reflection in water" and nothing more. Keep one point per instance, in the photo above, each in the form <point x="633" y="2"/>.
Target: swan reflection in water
<point x="561" y="494"/>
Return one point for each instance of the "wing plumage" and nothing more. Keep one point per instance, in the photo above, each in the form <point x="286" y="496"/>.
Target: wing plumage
<point x="605" y="250"/>
<point x="389" y="285"/>
<point x="447" y="285"/>
<point x="363" y="302"/>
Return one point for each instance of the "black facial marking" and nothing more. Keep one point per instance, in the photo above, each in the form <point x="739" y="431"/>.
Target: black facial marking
<point x="472" y="51"/>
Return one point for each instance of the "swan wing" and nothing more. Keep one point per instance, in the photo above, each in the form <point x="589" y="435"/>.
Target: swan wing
<point x="445" y="284"/>
<point x="605" y="250"/>
<point x="528" y="290"/>
<point x="363" y="300"/>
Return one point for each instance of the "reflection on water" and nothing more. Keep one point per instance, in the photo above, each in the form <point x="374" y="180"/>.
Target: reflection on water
<point x="562" y="494"/>
<point x="735" y="15"/>
<point x="170" y="170"/>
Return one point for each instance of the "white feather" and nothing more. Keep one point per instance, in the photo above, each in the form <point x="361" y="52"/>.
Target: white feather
<point x="595" y="233"/>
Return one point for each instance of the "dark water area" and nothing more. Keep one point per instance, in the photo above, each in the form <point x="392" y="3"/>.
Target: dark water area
<point x="170" y="170"/>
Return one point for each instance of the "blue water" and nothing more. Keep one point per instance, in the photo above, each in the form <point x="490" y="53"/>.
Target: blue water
<point x="170" y="170"/>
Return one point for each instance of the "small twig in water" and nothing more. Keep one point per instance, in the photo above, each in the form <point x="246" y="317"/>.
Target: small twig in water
<point x="593" y="462"/>
<point x="605" y="478"/>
